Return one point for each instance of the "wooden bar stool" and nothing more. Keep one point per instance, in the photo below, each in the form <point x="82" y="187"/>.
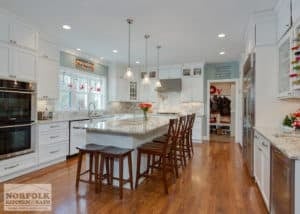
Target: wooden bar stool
<point x="93" y="150"/>
<point x="163" y="151"/>
<point x="111" y="153"/>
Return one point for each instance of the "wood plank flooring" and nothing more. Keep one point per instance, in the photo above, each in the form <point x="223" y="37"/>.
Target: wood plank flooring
<point x="215" y="181"/>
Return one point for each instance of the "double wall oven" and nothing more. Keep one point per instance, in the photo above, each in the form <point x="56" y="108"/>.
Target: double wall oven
<point x="17" y="118"/>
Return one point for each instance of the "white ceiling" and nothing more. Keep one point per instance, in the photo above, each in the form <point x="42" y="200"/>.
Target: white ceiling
<point x="186" y="29"/>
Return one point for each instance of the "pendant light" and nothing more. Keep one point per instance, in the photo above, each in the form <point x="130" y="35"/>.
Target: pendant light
<point x="128" y="73"/>
<point x="158" y="83"/>
<point x="146" y="79"/>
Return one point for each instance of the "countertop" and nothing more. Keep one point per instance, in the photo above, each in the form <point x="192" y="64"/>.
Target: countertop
<point x="288" y="145"/>
<point x="128" y="126"/>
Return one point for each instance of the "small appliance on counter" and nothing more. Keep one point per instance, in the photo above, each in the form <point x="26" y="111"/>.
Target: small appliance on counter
<point x="45" y="115"/>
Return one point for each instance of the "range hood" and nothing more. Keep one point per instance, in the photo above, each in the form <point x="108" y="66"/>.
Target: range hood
<point x="170" y="85"/>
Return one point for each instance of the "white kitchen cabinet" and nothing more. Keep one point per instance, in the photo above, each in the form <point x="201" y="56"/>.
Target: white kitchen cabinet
<point x="77" y="137"/>
<point x="192" y="89"/>
<point x="4" y="60"/>
<point x="283" y="10"/>
<point x="170" y="72"/>
<point x="48" y="50"/>
<point x="53" y="141"/>
<point x="23" y="64"/>
<point x="24" y="35"/>
<point x="148" y="92"/>
<point x="17" y="63"/>
<point x="197" y="130"/>
<point x="262" y="165"/>
<point x="47" y="78"/>
<point x="18" y="33"/>
<point x="296" y="10"/>
<point x="5" y="28"/>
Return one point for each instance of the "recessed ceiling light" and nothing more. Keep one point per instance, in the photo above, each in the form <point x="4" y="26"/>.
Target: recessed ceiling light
<point x="66" y="27"/>
<point x="222" y="53"/>
<point x="102" y="58"/>
<point x="115" y="51"/>
<point x="222" y="35"/>
<point x="78" y="49"/>
<point x="137" y="62"/>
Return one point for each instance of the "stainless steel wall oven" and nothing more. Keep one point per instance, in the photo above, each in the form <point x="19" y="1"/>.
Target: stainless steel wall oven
<point x="17" y="118"/>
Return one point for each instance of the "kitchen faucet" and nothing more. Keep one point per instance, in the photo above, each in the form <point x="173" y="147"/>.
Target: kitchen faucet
<point x="90" y="111"/>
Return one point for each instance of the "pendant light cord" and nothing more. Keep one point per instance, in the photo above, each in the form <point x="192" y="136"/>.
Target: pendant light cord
<point x="129" y="21"/>
<point x="146" y="52"/>
<point x="158" y="47"/>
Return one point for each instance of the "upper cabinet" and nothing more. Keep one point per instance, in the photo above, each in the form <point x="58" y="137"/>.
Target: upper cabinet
<point x="296" y="10"/>
<point x="170" y="72"/>
<point x="17" y="33"/>
<point x="284" y="17"/>
<point x="48" y="50"/>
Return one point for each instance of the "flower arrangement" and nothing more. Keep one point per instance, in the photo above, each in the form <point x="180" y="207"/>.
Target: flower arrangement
<point x="292" y="120"/>
<point x="145" y="107"/>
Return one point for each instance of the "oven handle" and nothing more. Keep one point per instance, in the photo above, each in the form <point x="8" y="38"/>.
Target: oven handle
<point x="15" y="126"/>
<point x="19" y="92"/>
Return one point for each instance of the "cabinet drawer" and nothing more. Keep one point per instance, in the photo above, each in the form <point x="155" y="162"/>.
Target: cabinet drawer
<point x="17" y="165"/>
<point x="53" y="126"/>
<point x="52" y="152"/>
<point x="53" y="137"/>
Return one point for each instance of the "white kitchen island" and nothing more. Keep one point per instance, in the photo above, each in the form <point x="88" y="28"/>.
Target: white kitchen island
<point x="125" y="133"/>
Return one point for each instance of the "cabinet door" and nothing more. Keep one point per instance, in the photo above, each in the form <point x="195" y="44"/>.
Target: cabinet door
<point x="24" y="64"/>
<point x="47" y="78"/>
<point x="5" y="28"/>
<point x="4" y="60"/>
<point x="163" y="74"/>
<point x="48" y="50"/>
<point x="187" y="89"/>
<point x="283" y="17"/>
<point x="24" y="35"/>
<point x="266" y="178"/>
<point x="174" y="73"/>
<point x="296" y="10"/>
<point x="282" y="183"/>
<point x="197" y="129"/>
<point x="257" y="164"/>
<point x="197" y="89"/>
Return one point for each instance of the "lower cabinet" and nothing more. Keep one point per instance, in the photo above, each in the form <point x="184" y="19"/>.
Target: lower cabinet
<point x="17" y="166"/>
<point x="282" y="183"/>
<point x="77" y="137"/>
<point x="53" y="142"/>
<point x="262" y="166"/>
<point x="197" y="130"/>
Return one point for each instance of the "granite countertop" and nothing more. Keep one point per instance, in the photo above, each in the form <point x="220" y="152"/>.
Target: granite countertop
<point x="287" y="144"/>
<point x="128" y="126"/>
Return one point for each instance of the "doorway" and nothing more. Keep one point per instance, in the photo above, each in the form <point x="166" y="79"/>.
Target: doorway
<point x="222" y="108"/>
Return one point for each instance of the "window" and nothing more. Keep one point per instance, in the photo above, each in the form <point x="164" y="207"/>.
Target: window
<point x="77" y="90"/>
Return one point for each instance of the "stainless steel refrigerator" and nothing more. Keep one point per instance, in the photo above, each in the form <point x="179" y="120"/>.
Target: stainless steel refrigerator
<point x="249" y="111"/>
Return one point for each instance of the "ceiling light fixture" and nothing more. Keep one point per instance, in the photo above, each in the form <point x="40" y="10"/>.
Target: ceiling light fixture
<point x="137" y="62"/>
<point x="66" y="27"/>
<point x="222" y="53"/>
<point x="146" y="79"/>
<point x="78" y="49"/>
<point x="222" y="35"/>
<point x="128" y="73"/>
<point x="158" y="83"/>
<point x="115" y="51"/>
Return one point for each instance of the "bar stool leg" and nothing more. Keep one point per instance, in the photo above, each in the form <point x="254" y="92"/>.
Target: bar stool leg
<point x="121" y="176"/>
<point x="130" y="170"/>
<point x="78" y="168"/>
<point x="164" y="175"/>
<point x="102" y="159"/>
<point x="111" y="171"/>
<point x="91" y="167"/>
<point x="138" y="166"/>
<point x="107" y="169"/>
<point x="98" y="173"/>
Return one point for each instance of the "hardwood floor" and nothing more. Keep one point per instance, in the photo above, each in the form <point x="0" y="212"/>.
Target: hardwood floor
<point x="215" y="181"/>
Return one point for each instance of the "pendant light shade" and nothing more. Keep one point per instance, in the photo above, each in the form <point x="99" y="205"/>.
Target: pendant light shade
<point x="146" y="79"/>
<point x="128" y="74"/>
<point x="158" y="83"/>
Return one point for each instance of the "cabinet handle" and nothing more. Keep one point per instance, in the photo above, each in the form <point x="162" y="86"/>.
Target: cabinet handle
<point x="54" y="127"/>
<point x="265" y="145"/>
<point x="11" y="167"/>
<point x="53" y="152"/>
<point x="53" y="137"/>
<point x="259" y="149"/>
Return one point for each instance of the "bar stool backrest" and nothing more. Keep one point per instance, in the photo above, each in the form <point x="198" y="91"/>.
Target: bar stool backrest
<point x="172" y="134"/>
